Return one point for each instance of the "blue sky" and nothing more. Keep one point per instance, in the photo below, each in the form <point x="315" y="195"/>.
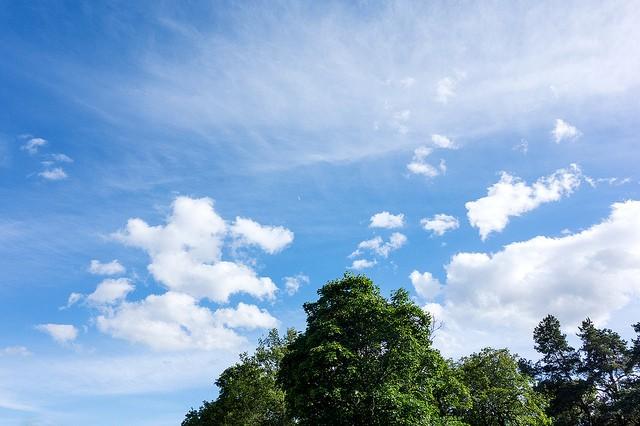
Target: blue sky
<point x="177" y="178"/>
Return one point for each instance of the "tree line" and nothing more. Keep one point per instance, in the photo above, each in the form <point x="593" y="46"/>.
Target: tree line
<point x="365" y="359"/>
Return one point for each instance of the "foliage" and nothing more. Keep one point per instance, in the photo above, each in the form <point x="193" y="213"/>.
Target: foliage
<point x="249" y="393"/>
<point x="501" y="394"/>
<point x="365" y="359"/>
<point x="599" y="384"/>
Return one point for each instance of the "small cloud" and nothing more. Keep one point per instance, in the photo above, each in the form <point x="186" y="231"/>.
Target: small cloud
<point x="110" y="291"/>
<point x="61" y="333"/>
<point x="111" y="268"/>
<point x="72" y="300"/>
<point x="53" y="174"/>
<point x="62" y="158"/>
<point x="407" y="82"/>
<point x="419" y="165"/>
<point x="387" y="220"/>
<point x="564" y="131"/>
<point x="272" y="239"/>
<point x="523" y="146"/>
<point x="379" y="247"/>
<point x="292" y="284"/>
<point x="443" y="142"/>
<point x="445" y="89"/>
<point x="15" y="351"/>
<point x="33" y="145"/>
<point x="439" y="224"/>
<point x="360" y="264"/>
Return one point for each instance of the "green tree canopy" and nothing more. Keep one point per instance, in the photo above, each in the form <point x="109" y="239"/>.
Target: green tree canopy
<point x="501" y="394"/>
<point x="364" y="359"/>
<point x="249" y="393"/>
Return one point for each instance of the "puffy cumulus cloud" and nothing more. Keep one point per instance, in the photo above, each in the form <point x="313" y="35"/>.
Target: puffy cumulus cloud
<point x="109" y="291"/>
<point x="564" y="131"/>
<point x="33" y="145"/>
<point x="292" y="284"/>
<point x="439" y="224"/>
<point x="380" y="247"/>
<point x="497" y="299"/>
<point x="271" y="239"/>
<point x="425" y="285"/>
<point x="245" y="316"/>
<point x="360" y="264"/>
<point x="61" y="333"/>
<point x="168" y="322"/>
<point x="111" y="268"/>
<point x="57" y="173"/>
<point x="386" y="220"/>
<point x="180" y="272"/>
<point x="513" y="197"/>
<point x="186" y="252"/>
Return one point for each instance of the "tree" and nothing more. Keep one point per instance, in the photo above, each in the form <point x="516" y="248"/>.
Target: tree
<point x="501" y="394"/>
<point x="249" y="392"/>
<point x="364" y="359"/>
<point x="571" y="398"/>
<point x="605" y="367"/>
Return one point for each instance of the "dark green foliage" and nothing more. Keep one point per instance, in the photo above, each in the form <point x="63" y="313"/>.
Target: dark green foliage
<point x="249" y="393"/>
<point x="596" y="385"/>
<point x="367" y="360"/>
<point x="501" y="394"/>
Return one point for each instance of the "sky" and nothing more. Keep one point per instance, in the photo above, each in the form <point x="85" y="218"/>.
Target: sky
<point x="178" y="177"/>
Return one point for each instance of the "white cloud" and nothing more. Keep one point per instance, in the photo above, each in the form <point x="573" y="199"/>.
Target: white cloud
<point x="378" y="246"/>
<point x="523" y="146"/>
<point x="407" y="82"/>
<point x="419" y="165"/>
<point x="443" y="142"/>
<point x="110" y="291"/>
<point x="445" y="89"/>
<point x="497" y="299"/>
<point x="186" y="252"/>
<point x="292" y="284"/>
<point x="271" y="239"/>
<point x="513" y="197"/>
<point x="360" y="264"/>
<point x="62" y="158"/>
<point x="325" y="74"/>
<point x="111" y="268"/>
<point x="564" y="131"/>
<point x="15" y="351"/>
<point x="56" y="173"/>
<point x="440" y="223"/>
<point x="33" y="144"/>
<point x="168" y="322"/>
<point x="245" y="316"/>
<point x="72" y="300"/>
<point x="387" y="220"/>
<point x="61" y="333"/>
<point x="425" y="284"/>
